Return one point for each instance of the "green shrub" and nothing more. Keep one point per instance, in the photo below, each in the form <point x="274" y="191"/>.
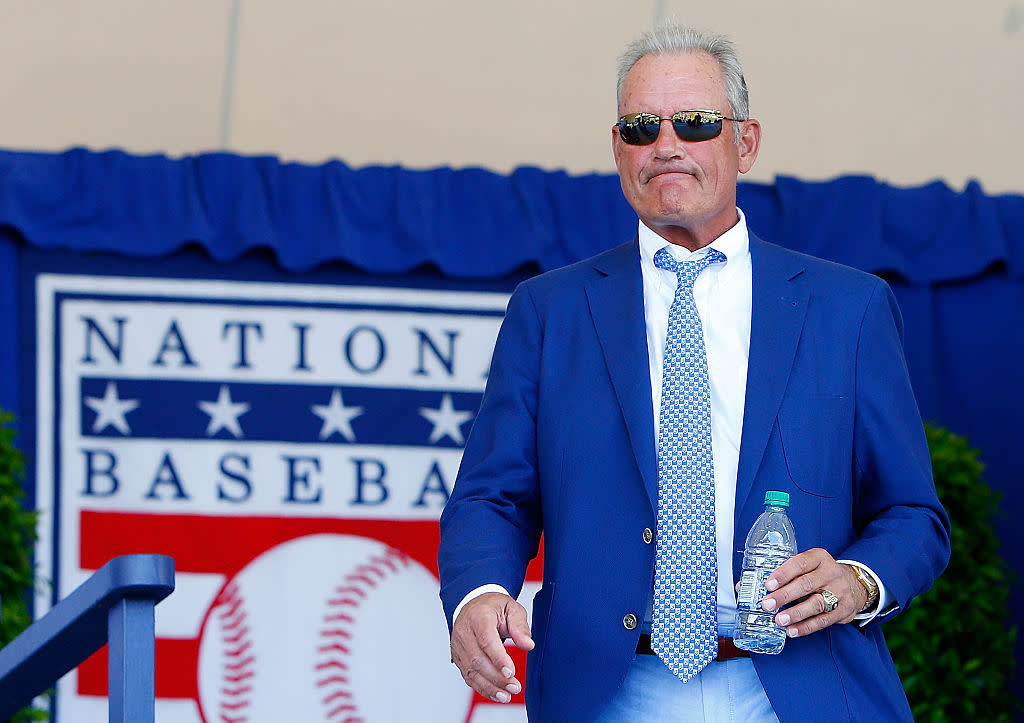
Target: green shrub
<point x="17" y="534"/>
<point x="952" y="646"/>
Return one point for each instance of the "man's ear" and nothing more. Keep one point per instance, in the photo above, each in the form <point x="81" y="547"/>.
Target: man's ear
<point x="616" y="145"/>
<point x="750" y="143"/>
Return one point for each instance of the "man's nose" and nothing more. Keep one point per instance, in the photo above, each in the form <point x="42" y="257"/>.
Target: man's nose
<point x="668" y="144"/>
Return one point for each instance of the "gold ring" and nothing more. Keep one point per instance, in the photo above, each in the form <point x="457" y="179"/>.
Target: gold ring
<point x="831" y="600"/>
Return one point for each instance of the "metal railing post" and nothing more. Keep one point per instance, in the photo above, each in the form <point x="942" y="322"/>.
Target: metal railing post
<point x="131" y="664"/>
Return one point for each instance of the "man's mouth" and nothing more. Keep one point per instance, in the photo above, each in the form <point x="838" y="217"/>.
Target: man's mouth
<point x="668" y="172"/>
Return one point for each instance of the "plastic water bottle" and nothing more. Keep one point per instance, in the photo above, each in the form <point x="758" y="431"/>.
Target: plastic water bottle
<point x="770" y="543"/>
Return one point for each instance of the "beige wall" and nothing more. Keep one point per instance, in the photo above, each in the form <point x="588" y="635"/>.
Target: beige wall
<point x="905" y="90"/>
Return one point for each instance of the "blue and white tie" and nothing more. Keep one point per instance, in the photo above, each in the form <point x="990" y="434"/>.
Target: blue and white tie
<point x="684" y="630"/>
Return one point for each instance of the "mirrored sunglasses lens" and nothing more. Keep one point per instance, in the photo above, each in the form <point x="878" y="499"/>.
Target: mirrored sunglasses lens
<point x="695" y="127"/>
<point x="639" y="129"/>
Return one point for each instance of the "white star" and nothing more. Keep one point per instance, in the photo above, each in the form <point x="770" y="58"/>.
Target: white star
<point x="337" y="417"/>
<point x="110" y="410"/>
<point x="446" y="420"/>
<point x="224" y="413"/>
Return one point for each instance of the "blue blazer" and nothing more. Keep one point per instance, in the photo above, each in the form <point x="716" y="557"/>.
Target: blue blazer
<point x="564" y="444"/>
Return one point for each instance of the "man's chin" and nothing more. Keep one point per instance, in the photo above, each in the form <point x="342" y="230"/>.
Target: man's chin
<point x="668" y="216"/>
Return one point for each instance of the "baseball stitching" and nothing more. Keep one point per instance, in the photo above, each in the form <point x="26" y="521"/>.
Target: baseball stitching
<point x="331" y="667"/>
<point x="238" y="658"/>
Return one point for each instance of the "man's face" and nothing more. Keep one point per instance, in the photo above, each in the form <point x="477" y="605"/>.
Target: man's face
<point x="685" y="190"/>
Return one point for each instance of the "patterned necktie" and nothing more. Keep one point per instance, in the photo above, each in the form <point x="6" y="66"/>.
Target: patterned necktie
<point x="684" y="631"/>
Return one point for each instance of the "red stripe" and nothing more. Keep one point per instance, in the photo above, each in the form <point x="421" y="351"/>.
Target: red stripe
<point x="202" y="543"/>
<point x="208" y="544"/>
<point x="176" y="662"/>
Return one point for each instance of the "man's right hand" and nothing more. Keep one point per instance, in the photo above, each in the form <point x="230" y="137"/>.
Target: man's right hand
<point x="477" y="646"/>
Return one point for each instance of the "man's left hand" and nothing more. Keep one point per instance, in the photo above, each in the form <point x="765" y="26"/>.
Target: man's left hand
<point x="799" y="581"/>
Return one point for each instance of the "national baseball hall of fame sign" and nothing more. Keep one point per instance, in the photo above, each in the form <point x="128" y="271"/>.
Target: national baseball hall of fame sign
<point x="291" y="447"/>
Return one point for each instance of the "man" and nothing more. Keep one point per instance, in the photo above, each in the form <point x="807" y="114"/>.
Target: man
<point x="638" y="422"/>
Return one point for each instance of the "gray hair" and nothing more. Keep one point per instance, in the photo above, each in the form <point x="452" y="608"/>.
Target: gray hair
<point x="674" y="38"/>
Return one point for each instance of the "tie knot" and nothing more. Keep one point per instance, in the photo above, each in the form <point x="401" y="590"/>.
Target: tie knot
<point x="686" y="271"/>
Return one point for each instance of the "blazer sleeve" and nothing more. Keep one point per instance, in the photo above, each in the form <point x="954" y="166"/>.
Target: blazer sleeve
<point x="904" y="530"/>
<point x="491" y="525"/>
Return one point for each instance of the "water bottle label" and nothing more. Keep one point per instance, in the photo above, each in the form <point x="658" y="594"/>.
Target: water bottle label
<point x="749" y="587"/>
<point x="752" y="589"/>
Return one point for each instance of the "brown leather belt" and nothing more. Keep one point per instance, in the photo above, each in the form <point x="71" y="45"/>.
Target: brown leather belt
<point x="726" y="648"/>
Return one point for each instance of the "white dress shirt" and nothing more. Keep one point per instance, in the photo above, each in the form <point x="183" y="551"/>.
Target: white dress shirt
<point x="723" y="296"/>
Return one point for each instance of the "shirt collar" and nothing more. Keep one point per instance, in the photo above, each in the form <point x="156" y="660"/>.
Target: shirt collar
<point x="734" y="243"/>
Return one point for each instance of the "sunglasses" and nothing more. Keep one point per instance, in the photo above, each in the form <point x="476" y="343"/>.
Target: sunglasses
<point x="641" y="129"/>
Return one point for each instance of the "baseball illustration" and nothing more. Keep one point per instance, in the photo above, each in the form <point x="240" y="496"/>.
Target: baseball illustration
<point x="333" y="628"/>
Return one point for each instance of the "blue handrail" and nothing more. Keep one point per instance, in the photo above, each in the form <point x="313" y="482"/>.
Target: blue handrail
<point x="116" y="606"/>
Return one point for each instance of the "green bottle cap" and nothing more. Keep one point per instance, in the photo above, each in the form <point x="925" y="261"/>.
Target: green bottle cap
<point x="773" y="497"/>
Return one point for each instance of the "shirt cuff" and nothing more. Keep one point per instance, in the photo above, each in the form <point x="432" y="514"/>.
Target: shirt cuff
<point x="477" y="592"/>
<point x="884" y="603"/>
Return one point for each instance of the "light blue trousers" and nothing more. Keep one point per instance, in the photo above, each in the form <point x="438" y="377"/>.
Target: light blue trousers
<point x="721" y="693"/>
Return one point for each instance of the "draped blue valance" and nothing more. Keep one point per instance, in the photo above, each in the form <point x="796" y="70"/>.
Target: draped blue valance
<point x="469" y="223"/>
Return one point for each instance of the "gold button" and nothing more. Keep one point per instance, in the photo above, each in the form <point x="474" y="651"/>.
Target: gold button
<point x="648" y="535"/>
<point x="629" y="622"/>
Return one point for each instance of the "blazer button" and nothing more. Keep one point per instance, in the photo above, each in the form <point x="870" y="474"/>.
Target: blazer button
<point x="629" y="622"/>
<point x="648" y="535"/>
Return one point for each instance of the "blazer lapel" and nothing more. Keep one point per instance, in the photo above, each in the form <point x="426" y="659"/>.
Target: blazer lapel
<point x="777" y="318"/>
<point x="617" y="306"/>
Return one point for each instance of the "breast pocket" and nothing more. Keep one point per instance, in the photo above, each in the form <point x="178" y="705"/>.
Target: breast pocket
<point x="817" y="442"/>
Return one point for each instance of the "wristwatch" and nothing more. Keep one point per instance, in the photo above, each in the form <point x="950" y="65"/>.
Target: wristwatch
<point x="870" y="586"/>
